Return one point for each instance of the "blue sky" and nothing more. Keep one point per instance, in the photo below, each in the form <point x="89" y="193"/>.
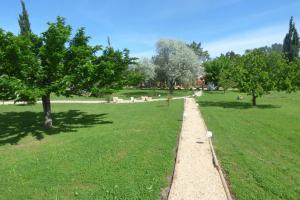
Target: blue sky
<point x="220" y="25"/>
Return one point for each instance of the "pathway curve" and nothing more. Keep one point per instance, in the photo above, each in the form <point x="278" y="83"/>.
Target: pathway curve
<point x="195" y="177"/>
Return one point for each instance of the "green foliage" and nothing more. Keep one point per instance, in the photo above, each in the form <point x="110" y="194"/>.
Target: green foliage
<point x="79" y="64"/>
<point x="135" y="77"/>
<point x="8" y="86"/>
<point x="226" y="80"/>
<point x="19" y="66"/>
<point x="212" y="71"/>
<point x="220" y="71"/>
<point x="111" y="68"/>
<point x="253" y="74"/>
<point x="291" y="42"/>
<point x="296" y="68"/>
<point x="52" y="55"/>
<point x="13" y="89"/>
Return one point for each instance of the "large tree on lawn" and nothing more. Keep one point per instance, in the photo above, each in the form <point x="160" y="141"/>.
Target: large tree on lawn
<point x="52" y="55"/>
<point x="178" y="62"/>
<point x="259" y="72"/>
<point x="254" y="75"/>
<point x="57" y="64"/>
<point x="76" y="69"/>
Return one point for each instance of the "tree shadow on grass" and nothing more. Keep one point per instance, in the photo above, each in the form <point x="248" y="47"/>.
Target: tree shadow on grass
<point x="235" y="105"/>
<point x="16" y="125"/>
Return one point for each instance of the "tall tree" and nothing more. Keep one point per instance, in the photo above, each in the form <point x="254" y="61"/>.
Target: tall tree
<point x="52" y="56"/>
<point x="24" y="21"/>
<point x="291" y="42"/>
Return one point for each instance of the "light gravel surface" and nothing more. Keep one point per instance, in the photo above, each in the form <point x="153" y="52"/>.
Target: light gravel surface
<point x="195" y="177"/>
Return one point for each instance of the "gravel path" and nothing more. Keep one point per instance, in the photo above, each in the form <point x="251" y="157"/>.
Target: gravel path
<point x="195" y="177"/>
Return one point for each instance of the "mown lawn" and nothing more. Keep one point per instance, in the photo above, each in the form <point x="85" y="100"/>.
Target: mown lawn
<point x="123" y="151"/>
<point x="127" y="93"/>
<point x="259" y="148"/>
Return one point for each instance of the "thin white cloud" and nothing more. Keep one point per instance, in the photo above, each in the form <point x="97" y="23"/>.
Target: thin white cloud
<point x="249" y="40"/>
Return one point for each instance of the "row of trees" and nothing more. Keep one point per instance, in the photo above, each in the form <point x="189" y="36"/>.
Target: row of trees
<point x="261" y="70"/>
<point x="175" y="63"/>
<point x="35" y="66"/>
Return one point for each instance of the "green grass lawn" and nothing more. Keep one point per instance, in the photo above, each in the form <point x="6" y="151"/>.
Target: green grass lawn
<point x="127" y="93"/>
<point x="259" y="148"/>
<point x="123" y="151"/>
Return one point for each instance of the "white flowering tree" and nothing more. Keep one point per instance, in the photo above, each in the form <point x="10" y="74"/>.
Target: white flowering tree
<point x="141" y="72"/>
<point x="178" y="62"/>
<point x="147" y="67"/>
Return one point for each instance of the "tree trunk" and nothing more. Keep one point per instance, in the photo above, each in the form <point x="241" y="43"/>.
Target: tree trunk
<point x="171" y="87"/>
<point x="254" y="99"/>
<point x="47" y="111"/>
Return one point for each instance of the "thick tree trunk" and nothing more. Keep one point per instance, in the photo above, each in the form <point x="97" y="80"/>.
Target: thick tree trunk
<point x="254" y="99"/>
<point x="47" y="111"/>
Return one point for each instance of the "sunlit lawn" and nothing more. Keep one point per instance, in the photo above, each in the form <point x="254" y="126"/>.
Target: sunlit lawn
<point x="259" y="148"/>
<point x="94" y="152"/>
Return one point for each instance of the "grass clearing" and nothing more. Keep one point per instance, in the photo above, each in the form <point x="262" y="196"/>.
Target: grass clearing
<point x="122" y="151"/>
<point x="259" y="148"/>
